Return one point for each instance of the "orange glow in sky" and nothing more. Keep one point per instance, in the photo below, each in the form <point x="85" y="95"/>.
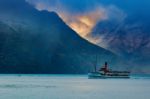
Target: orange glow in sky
<point x="83" y="23"/>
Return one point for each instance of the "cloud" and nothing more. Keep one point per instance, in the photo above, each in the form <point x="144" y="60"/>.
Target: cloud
<point x="113" y="14"/>
<point x="83" y="23"/>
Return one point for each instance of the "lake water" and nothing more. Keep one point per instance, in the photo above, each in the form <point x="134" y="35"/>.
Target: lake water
<point x="72" y="87"/>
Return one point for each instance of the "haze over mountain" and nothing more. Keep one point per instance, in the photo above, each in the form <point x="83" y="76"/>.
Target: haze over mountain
<point x="33" y="41"/>
<point x="129" y="39"/>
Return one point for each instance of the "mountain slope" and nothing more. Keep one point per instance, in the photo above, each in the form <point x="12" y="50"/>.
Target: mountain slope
<point x="129" y="39"/>
<point x="40" y="42"/>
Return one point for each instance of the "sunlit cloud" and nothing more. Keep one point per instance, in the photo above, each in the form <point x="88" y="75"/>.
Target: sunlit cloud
<point x="83" y="23"/>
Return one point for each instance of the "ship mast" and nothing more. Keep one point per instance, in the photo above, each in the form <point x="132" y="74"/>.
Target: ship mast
<point x="95" y="66"/>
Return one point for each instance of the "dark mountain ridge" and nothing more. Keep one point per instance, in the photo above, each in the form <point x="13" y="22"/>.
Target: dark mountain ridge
<point x="33" y="41"/>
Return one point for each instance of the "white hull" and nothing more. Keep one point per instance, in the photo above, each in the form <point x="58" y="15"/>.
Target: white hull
<point x="97" y="75"/>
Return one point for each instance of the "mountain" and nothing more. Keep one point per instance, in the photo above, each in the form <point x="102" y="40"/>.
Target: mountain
<point x="33" y="41"/>
<point x="129" y="39"/>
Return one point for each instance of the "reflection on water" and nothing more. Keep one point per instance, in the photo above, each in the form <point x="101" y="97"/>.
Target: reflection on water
<point x="72" y="87"/>
<point x="24" y="86"/>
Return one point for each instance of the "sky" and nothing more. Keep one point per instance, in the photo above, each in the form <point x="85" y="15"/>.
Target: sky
<point x="83" y="15"/>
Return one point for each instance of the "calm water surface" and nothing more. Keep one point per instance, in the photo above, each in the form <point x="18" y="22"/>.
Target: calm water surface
<point x="73" y="87"/>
